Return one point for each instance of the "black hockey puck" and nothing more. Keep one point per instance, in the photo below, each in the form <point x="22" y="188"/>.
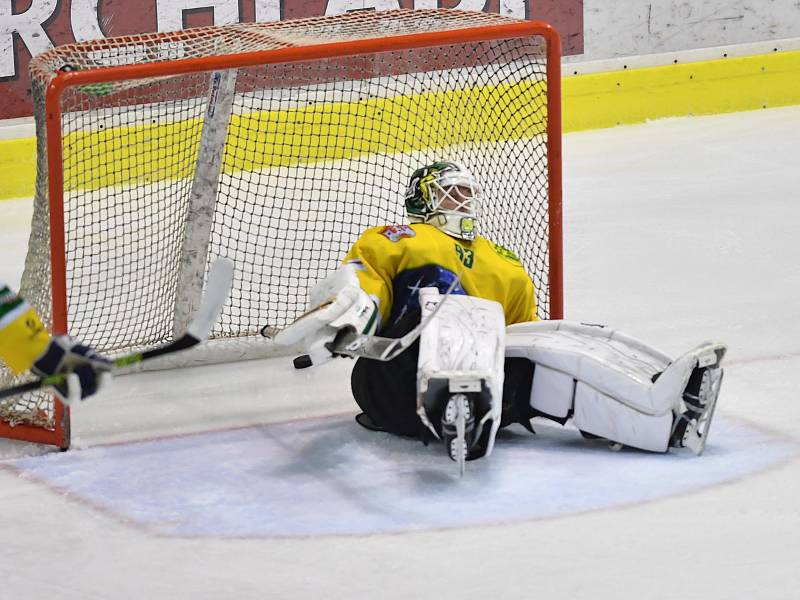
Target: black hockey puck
<point x="302" y="362"/>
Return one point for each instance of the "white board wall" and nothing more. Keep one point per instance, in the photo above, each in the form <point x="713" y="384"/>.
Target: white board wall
<point x="618" y="28"/>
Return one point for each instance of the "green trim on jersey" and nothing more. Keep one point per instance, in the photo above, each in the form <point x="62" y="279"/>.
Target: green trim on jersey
<point x="505" y="252"/>
<point x="8" y="306"/>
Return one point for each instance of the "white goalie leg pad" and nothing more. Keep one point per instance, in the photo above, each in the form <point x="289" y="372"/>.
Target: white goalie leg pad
<point x="616" y="386"/>
<point x="605" y="417"/>
<point x="335" y="303"/>
<point x="464" y="345"/>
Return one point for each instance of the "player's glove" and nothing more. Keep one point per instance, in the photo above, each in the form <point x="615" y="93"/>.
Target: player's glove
<point x="85" y="371"/>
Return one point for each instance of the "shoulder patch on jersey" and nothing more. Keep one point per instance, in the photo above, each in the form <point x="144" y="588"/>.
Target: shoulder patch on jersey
<point x="505" y="252"/>
<point x="395" y="233"/>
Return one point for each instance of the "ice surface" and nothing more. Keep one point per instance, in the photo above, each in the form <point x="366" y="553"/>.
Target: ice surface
<point x="328" y="476"/>
<point x="676" y="231"/>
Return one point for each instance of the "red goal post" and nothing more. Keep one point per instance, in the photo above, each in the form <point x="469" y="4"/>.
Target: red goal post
<point x="287" y="139"/>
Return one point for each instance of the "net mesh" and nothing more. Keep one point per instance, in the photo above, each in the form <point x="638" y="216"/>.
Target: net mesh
<point x="314" y="153"/>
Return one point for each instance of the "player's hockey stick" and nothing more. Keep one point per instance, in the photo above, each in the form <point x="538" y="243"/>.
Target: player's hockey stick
<point x="220" y="277"/>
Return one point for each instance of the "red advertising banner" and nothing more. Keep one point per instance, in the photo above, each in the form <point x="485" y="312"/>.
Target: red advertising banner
<point x="28" y="27"/>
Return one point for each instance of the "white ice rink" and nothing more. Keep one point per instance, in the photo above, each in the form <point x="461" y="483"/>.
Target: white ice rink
<point x="252" y="481"/>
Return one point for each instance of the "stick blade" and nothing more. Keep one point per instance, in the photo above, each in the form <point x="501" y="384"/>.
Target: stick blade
<point x="218" y="286"/>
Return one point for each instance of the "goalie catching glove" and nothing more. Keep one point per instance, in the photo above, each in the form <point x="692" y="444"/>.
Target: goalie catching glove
<point x="85" y="371"/>
<point x="337" y="306"/>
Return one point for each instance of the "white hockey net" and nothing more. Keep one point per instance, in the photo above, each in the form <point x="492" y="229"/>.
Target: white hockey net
<point x="297" y="159"/>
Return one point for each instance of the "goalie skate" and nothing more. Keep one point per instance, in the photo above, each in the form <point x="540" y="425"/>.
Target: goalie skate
<point x="460" y="408"/>
<point x="700" y="398"/>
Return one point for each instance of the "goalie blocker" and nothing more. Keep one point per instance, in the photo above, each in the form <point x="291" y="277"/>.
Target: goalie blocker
<point x="337" y="304"/>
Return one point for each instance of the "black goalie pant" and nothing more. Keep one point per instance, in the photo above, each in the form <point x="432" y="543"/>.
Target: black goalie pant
<point x="387" y="391"/>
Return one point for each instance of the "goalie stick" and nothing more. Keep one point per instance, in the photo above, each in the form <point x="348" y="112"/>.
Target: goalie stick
<point x="220" y="277"/>
<point x="349" y="343"/>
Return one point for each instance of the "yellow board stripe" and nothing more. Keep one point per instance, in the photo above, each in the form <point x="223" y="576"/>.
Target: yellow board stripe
<point x="17" y="168"/>
<point x="327" y="131"/>
<point x="590" y="102"/>
<point x="727" y="85"/>
<point x="388" y="125"/>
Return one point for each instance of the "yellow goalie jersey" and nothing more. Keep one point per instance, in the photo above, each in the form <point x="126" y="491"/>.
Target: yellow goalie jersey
<point x="395" y="261"/>
<point x="23" y="338"/>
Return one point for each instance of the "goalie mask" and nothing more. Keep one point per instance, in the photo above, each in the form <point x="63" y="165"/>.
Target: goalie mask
<point x="447" y="196"/>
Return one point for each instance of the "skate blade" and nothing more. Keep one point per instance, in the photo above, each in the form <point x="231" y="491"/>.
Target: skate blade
<point x="697" y="432"/>
<point x="457" y="449"/>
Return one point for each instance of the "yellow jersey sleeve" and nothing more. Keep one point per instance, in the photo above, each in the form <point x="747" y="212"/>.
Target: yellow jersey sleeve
<point x="519" y="300"/>
<point x="376" y="263"/>
<point x="23" y="337"/>
<point x="504" y="279"/>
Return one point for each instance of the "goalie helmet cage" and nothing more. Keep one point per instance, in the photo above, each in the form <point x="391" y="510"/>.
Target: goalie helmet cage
<point x="275" y="145"/>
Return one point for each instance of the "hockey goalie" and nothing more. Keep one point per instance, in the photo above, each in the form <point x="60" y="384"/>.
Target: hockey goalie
<point x="482" y="360"/>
